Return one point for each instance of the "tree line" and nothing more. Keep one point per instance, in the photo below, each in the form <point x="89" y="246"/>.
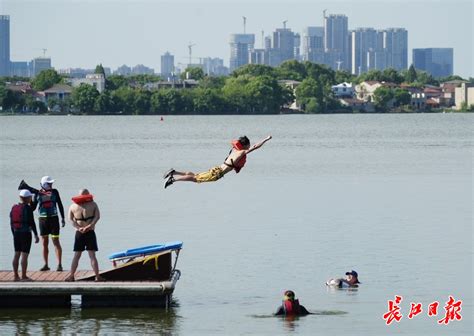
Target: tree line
<point x="251" y="89"/>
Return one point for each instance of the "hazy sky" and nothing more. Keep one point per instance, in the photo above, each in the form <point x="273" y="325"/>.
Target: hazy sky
<point x="112" y="32"/>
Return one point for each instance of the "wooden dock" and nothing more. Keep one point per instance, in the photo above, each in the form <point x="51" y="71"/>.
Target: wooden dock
<point x="49" y="289"/>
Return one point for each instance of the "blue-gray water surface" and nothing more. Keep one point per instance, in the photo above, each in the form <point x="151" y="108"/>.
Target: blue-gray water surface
<point x="389" y="196"/>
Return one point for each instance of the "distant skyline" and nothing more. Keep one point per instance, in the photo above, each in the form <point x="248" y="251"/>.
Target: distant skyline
<point x="83" y="33"/>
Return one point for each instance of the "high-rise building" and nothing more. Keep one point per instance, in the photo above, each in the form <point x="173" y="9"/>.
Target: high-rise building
<point x="336" y="41"/>
<point x="4" y="45"/>
<point x="396" y="47"/>
<point x="214" y="66"/>
<point x="39" y="64"/>
<point x="259" y="56"/>
<point x="436" y="61"/>
<point x="313" y="44"/>
<point x="167" y="65"/>
<point x="363" y="44"/>
<point x="19" y="69"/>
<point x="141" y="69"/>
<point x="284" y="44"/>
<point x="123" y="70"/>
<point x="240" y="46"/>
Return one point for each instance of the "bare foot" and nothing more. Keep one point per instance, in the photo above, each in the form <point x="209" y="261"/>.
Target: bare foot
<point x="99" y="279"/>
<point x="17" y="278"/>
<point x="26" y="279"/>
<point x="70" y="279"/>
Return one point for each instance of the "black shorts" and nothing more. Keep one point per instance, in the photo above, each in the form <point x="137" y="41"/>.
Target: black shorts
<point x="85" y="241"/>
<point x="49" y="226"/>
<point x="22" y="241"/>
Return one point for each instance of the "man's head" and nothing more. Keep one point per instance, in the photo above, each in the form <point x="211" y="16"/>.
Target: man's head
<point x="84" y="192"/>
<point x="289" y="295"/>
<point x="352" y="276"/>
<point x="47" y="182"/>
<point x="25" y="196"/>
<point x="245" y="142"/>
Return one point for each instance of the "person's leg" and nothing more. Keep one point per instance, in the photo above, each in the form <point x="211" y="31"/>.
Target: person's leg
<point x="186" y="177"/>
<point x="74" y="264"/>
<point x="16" y="258"/>
<point x="24" y="265"/>
<point x="45" y="240"/>
<point x="59" y="251"/>
<point x="183" y="173"/>
<point x="95" y="265"/>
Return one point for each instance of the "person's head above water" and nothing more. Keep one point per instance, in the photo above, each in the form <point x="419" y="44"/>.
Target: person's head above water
<point x="352" y="276"/>
<point x="244" y="141"/>
<point x="289" y="295"/>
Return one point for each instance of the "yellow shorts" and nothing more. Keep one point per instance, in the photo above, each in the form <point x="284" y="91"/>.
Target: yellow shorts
<point x="211" y="175"/>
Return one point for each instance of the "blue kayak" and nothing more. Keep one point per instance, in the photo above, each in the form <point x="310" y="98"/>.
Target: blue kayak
<point x="146" y="250"/>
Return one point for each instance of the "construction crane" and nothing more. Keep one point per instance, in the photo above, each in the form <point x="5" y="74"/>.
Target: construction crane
<point x="190" y="47"/>
<point x="245" y="22"/>
<point x="324" y="14"/>
<point x="284" y="24"/>
<point x="44" y="51"/>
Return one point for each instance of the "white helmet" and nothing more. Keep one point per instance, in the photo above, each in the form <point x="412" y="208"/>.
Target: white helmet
<point x="46" y="180"/>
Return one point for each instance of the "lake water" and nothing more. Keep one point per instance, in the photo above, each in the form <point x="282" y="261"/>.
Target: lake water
<point x="389" y="196"/>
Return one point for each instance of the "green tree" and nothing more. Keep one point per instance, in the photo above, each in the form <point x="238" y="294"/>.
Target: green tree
<point x="103" y="103"/>
<point x="115" y="82"/>
<point x="309" y="94"/>
<point x="84" y="97"/>
<point x="392" y="76"/>
<point x="344" y="76"/>
<point x="211" y="82"/>
<point x="264" y="95"/>
<point x="402" y="97"/>
<point x="236" y="95"/>
<point x="291" y="69"/>
<point x="99" y="69"/>
<point x="382" y="96"/>
<point x="142" y="79"/>
<point x="46" y="79"/>
<point x="424" y="78"/>
<point x="208" y="101"/>
<point x="411" y="75"/>
<point x="195" y="73"/>
<point x="254" y="70"/>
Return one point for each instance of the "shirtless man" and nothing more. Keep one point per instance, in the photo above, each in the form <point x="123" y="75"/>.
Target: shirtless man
<point x="234" y="161"/>
<point x="84" y="214"/>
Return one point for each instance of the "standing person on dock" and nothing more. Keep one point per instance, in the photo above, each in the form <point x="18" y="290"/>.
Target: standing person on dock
<point x="234" y="161"/>
<point x="48" y="201"/>
<point x="22" y="222"/>
<point x="84" y="214"/>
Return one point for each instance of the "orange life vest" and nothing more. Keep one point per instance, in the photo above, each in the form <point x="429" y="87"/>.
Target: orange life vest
<point x="241" y="163"/>
<point x="291" y="307"/>
<point x="82" y="199"/>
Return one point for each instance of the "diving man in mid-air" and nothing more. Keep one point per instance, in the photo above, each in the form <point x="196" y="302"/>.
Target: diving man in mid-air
<point x="234" y="161"/>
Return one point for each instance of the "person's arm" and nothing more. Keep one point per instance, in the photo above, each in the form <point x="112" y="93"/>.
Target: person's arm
<point x="258" y="145"/>
<point x="11" y="223"/>
<point x="32" y="223"/>
<point x="304" y="311"/>
<point x="96" y="218"/>
<point x="280" y="311"/>
<point x="60" y="206"/>
<point x="71" y="217"/>
<point x="34" y="202"/>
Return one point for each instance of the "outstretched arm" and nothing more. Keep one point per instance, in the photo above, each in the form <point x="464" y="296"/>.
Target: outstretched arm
<point x="258" y="145"/>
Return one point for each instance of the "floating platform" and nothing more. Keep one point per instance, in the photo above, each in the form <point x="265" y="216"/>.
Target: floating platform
<point x="146" y="281"/>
